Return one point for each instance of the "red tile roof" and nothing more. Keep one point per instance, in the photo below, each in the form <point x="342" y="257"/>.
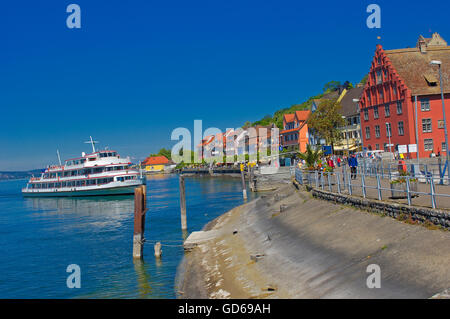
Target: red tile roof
<point x="289" y="117"/>
<point x="155" y="160"/>
<point x="302" y="115"/>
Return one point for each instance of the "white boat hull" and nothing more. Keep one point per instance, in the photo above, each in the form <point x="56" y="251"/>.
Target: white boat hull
<point x="82" y="191"/>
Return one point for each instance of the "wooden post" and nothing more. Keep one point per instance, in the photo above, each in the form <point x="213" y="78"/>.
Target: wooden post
<point x="158" y="250"/>
<point x="244" y="189"/>
<point x="183" y="203"/>
<point x="139" y="221"/>
<point x="250" y="178"/>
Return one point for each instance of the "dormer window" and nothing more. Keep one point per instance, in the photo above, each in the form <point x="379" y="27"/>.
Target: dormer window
<point x="431" y="79"/>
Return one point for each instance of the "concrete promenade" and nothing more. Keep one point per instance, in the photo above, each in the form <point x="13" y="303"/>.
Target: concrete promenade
<point x="287" y="244"/>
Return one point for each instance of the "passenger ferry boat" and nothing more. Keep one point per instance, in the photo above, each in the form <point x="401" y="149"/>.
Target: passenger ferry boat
<point x="99" y="173"/>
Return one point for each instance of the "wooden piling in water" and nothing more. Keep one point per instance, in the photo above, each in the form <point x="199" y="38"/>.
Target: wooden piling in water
<point x="183" y="203"/>
<point x="158" y="250"/>
<point x="250" y="178"/>
<point x="244" y="189"/>
<point x="139" y="221"/>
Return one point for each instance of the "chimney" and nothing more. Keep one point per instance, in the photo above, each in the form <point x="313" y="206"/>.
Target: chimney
<point x="422" y="45"/>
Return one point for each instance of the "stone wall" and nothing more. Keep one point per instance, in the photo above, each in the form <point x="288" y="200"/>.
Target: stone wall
<point x="417" y="214"/>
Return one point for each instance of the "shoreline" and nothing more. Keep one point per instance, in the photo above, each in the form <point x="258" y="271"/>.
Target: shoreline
<point x="285" y="244"/>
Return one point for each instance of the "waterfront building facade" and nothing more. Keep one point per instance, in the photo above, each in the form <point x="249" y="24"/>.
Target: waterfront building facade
<point x="155" y="163"/>
<point x="350" y="138"/>
<point x="294" y="136"/>
<point x="397" y="79"/>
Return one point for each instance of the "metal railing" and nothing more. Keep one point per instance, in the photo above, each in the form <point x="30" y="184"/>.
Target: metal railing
<point x="343" y="181"/>
<point x="424" y="171"/>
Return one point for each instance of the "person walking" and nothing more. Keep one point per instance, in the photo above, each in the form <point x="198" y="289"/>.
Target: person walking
<point x="353" y="163"/>
<point x="330" y="162"/>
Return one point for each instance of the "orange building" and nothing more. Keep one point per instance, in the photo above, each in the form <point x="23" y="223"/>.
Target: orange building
<point x="396" y="80"/>
<point x="155" y="163"/>
<point x="294" y="136"/>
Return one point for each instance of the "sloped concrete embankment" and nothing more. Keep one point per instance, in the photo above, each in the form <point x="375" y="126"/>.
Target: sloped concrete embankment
<point x="288" y="245"/>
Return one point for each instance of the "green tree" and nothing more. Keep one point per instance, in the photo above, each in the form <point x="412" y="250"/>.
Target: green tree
<point x="164" y="152"/>
<point x="364" y="79"/>
<point x="311" y="157"/>
<point x="246" y="125"/>
<point x="331" y="86"/>
<point x="327" y="120"/>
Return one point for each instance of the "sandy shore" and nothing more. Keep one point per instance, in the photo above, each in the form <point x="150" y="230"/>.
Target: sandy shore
<point x="314" y="249"/>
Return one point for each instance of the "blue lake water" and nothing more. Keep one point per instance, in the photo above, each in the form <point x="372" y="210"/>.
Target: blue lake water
<point x="40" y="237"/>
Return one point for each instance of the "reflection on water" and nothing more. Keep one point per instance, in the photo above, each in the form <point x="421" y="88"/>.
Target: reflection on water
<point x="39" y="237"/>
<point x="108" y="210"/>
<point x="143" y="279"/>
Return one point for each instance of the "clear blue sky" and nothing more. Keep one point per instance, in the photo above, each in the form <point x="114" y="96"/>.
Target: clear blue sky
<point x="138" y="69"/>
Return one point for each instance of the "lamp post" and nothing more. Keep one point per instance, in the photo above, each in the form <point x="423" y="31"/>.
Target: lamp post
<point x="360" y="125"/>
<point x="388" y="128"/>
<point x="439" y="63"/>
<point x="346" y="135"/>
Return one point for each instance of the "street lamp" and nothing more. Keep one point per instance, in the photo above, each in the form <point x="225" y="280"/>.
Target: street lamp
<point x="388" y="128"/>
<point x="360" y="124"/>
<point x="439" y="63"/>
<point x="346" y="135"/>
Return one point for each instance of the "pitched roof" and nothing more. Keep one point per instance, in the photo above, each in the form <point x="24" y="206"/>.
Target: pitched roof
<point x="289" y="117"/>
<point x="302" y="115"/>
<point x="329" y="96"/>
<point x="413" y="67"/>
<point x="348" y="106"/>
<point x="156" y="160"/>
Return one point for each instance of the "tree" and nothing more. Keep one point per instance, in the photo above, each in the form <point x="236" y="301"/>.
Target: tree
<point x="364" y="79"/>
<point x="331" y="86"/>
<point x="311" y="157"/>
<point x="164" y="152"/>
<point x="327" y="121"/>
<point x="246" y="125"/>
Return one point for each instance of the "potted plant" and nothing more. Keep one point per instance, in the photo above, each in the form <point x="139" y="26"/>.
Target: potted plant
<point x="311" y="158"/>
<point x="398" y="186"/>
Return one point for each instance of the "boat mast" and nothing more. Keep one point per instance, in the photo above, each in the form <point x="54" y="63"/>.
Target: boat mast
<point x="59" y="157"/>
<point x="92" y="142"/>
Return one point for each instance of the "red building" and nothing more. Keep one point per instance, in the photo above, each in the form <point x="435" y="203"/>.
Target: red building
<point x="396" y="79"/>
<point x="294" y="135"/>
